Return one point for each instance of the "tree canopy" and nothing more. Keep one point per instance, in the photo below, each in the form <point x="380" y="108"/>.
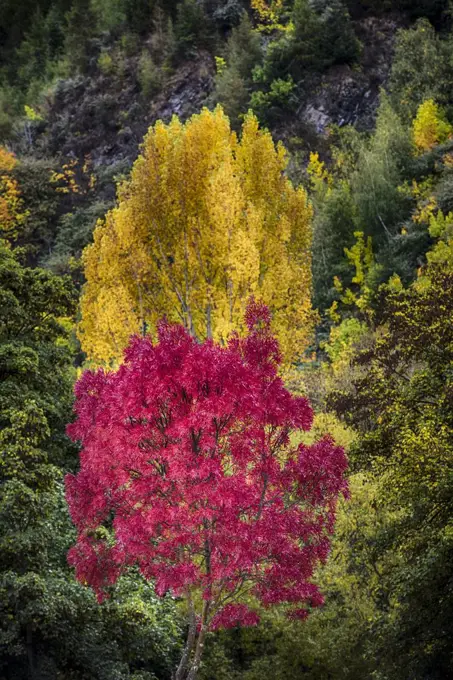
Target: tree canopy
<point x="204" y="221"/>
<point x="189" y="470"/>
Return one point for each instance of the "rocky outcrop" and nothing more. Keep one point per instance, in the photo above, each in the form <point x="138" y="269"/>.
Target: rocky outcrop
<point x="106" y="117"/>
<point x="185" y="93"/>
<point x="350" y="95"/>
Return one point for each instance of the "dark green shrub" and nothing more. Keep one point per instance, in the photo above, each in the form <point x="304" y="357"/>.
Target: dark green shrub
<point x="193" y="28"/>
<point x="270" y="105"/>
<point x="80" y="29"/>
<point x="420" y="70"/>
<point x="338" y="42"/>
<point x="321" y="35"/>
<point x="234" y="81"/>
<point x="149" y="75"/>
<point x="226" y="13"/>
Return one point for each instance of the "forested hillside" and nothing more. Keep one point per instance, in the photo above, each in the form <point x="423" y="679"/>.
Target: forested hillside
<point x="276" y="177"/>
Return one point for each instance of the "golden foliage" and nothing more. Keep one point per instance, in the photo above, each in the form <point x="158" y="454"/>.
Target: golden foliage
<point x="12" y="213"/>
<point x="430" y="127"/>
<point x="268" y="13"/>
<point x="8" y="160"/>
<point x="317" y="171"/>
<point x="441" y="228"/>
<point x="204" y="221"/>
<point x="361" y="257"/>
<point x="72" y="179"/>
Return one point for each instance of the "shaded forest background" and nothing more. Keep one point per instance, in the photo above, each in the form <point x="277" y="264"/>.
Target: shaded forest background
<point x="361" y="95"/>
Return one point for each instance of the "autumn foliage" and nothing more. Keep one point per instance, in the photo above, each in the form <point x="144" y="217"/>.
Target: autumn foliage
<point x="204" y="221"/>
<point x="430" y="127"/>
<point x="190" y="470"/>
<point x="267" y="12"/>
<point x="12" y="213"/>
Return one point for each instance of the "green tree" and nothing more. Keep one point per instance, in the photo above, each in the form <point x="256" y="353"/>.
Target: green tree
<point x="51" y="626"/>
<point x="35" y="399"/>
<point x="80" y="29"/>
<point x="274" y="103"/>
<point x="382" y="165"/>
<point x="16" y="19"/>
<point x="109" y="14"/>
<point x="420" y="69"/>
<point x="34" y="51"/>
<point x="317" y="35"/>
<point x="234" y="78"/>
<point x="338" y="42"/>
<point x="44" y="205"/>
<point x="139" y="14"/>
<point x="298" y="47"/>
<point x="193" y="27"/>
<point x="333" y="229"/>
<point x="401" y="406"/>
<point x="361" y="193"/>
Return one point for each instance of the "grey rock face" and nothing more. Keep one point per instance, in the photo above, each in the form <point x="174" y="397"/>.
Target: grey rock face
<point x="350" y="95"/>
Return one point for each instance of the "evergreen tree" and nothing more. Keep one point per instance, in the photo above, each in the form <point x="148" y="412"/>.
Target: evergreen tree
<point x="80" y="29"/>
<point x="193" y="27"/>
<point x="306" y="35"/>
<point x="420" y="70"/>
<point x="49" y="625"/>
<point x="35" y="400"/>
<point x="338" y="42"/>
<point x="234" y="80"/>
<point x="139" y="14"/>
<point x="382" y="166"/>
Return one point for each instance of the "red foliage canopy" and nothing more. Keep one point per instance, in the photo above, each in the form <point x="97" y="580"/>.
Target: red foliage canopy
<point x="189" y="471"/>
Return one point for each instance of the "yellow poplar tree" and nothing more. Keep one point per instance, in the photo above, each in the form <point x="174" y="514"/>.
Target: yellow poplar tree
<point x="203" y="222"/>
<point x="12" y="213"/>
<point x="429" y="127"/>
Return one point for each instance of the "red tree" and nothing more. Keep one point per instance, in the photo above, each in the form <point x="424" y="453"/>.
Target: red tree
<point x="188" y="470"/>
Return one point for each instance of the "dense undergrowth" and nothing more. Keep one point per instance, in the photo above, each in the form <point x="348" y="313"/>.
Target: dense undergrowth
<point x="79" y="85"/>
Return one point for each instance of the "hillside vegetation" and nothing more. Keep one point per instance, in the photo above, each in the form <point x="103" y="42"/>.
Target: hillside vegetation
<point x="172" y="159"/>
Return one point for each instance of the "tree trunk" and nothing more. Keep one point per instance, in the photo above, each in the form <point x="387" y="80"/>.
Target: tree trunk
<point x="198" y="654"/>
<point x="200" y="643"/>
<point x="188" y="669"/>
<point x="191" y="635"/>
<point x="209" y="321"/>
<point x="30" y="653"/>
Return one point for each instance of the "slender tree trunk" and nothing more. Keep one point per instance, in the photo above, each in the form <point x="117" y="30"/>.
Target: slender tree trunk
<point x="200" y="644"/>
<point x="191" y="635"/>
<point x="198" y="654"/>
<point x="188" y="667"/>
<point x="230" y="298"/>
<point x="187" y="305"/>
<point x="30" y="653"/>
<point x="142" y="316"/>
<point x="209" y="321"/>
<point x="190" y="325"/>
